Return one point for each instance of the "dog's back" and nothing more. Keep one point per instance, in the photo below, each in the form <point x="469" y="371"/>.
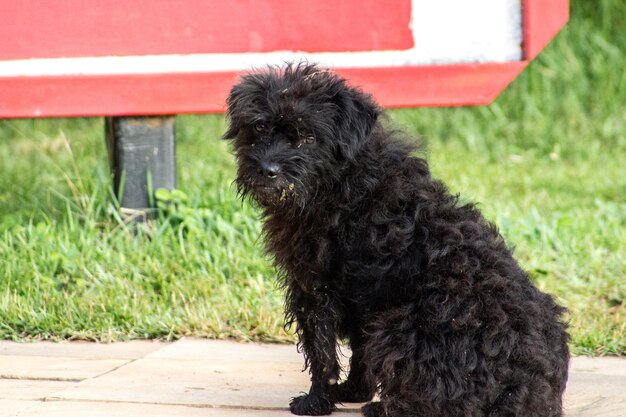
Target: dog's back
<point x="454" y="326"/>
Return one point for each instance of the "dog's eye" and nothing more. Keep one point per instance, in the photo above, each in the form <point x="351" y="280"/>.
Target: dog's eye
<point x="260" y="127"/>
<point x="306" y="139"/>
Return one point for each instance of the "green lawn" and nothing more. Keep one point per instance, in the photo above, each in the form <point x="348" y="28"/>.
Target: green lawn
<point x="546" y="161"/>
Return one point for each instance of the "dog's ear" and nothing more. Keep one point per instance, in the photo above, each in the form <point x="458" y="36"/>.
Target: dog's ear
<point x="232" y="130"/>
<point x="233" y="102"/>
<point x="358" y="114"/>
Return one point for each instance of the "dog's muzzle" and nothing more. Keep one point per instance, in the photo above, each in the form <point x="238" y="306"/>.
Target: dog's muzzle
<point x="269" y="187"/>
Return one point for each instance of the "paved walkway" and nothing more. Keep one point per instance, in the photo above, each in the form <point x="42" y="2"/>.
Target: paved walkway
<point x="194" y="377"/>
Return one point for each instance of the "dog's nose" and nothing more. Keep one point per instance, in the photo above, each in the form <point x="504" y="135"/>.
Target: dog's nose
<point x="269" y="169"/>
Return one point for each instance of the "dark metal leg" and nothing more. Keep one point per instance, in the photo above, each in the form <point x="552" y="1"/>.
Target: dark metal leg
<point x="142" y="157"/>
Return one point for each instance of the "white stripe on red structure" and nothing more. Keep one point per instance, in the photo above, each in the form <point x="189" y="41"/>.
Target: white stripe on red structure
<point x="444" y="32"/>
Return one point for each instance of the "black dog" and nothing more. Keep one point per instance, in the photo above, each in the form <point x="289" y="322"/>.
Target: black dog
<point x="440" y="318"/>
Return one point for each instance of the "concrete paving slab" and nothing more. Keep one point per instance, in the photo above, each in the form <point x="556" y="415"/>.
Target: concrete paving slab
<point x="226" y="350"/>
<point x="96" y="409"/>
<point x="28" y="389"/>
<point x="123" y="350"/>
<point x="581" y="385"/>
<point x="600" y="407"/>
<point x="607" y="365"/>
<point x="204" y="382"/>
<point x="10" y="408"/>
<point x="596" y="387"/>
<point x="56" y="368"/>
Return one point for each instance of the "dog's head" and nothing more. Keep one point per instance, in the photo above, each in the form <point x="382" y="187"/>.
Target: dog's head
<point x="293" y="129"/>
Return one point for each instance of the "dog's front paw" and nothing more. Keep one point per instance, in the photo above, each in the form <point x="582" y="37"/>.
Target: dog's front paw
<point x="374" y="409"/>
<point x="311" y="405"/>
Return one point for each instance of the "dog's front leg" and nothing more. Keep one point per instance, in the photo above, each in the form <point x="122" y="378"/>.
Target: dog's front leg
<point x="316" y="329"/>
<point x="357" y="387"/>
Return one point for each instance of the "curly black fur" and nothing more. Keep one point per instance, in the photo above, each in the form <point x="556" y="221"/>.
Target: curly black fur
<point x="440" y="318"/>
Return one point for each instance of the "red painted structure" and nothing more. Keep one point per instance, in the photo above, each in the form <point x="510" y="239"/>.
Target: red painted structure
<point x="117" y="28"/>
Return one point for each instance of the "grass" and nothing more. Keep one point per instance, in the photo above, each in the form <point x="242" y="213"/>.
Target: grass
<point x="546" y="162"/>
